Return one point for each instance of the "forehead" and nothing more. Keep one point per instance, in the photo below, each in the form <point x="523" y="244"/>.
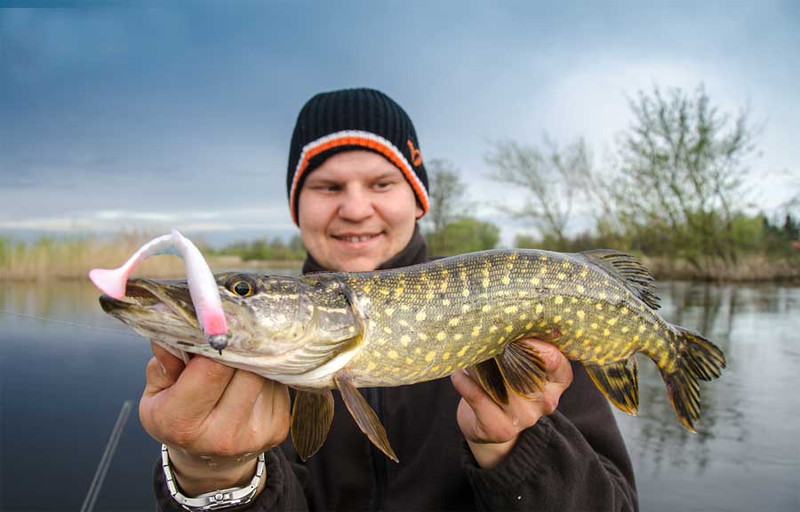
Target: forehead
<point x="354" y="165"/>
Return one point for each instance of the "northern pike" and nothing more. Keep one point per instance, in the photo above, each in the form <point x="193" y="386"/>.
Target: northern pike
<point x="343" y="331"/>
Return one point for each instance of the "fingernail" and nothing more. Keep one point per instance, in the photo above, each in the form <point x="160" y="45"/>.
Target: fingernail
<point x="162" y="368"/>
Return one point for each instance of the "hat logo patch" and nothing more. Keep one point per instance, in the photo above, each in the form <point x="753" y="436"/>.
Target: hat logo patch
<point x="416" y="156"/>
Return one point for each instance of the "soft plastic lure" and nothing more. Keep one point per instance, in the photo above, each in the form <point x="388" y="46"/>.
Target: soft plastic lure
<point x="202" y="286"/>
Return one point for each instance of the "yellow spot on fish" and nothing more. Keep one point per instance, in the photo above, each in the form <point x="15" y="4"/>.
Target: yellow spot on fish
<point x="449" y="367"/>
<point x="443" y="286"/>
<point x="417" y="350"/>
<point x="580" y="288"/>
<point x="606" y="332"/>
<point x="636" y="339"/>
<point x="422" y="336"/>
<point x="465" y="292"/>
<point x="453" y="322"/>
<point x="445" y="356"/>
<point x="599" y="306"/>
<point x="429" y="295"/>
<point x="463" y="351"/>
<point x="409" y="360"/>
<point x="387" y="330"/>
<point x="435" y="368"/>
<point x="559" y="299"/>
<point x="529" y="326"/>
<point x="500" y="340"/>
<point x="421" y="316"/>
<point x="485" y="283"/>
<point x="581" y="314"/>
<point x="612" y="321"/>
<point x="510" y="310"/>
<point x="492" y="329"/>
<point x="535" y="281"/>
<point x="429" y="356"/>
<point x="398" y="292"/>
<point x="509" y="328"/>
<point x="389" y="311"/>
<point x="579" y="333"/>
<point x="367" y="288"/>
<point x="625" y="329"/>
<point x="594" y="325"/>
<point x="458" y="336"/>
<point x="505" y="280"/>
<point x="476" y="330"/>
<point x="404" y="307"/>
<point x="440" y="335"/>
<point x="392" y="354"/>
<point x="405" y="340"/>
<point x="486" y="308"/>
<point x="465" y="308"/>
<point x="384" y="291"/>
<point x="539" y="308"/>
<point x="371" y="366"/>
<point x="561" y="275"/>
<point x="481" y="349"/>
<point x="446" y="302"/>
<point x="642" y="328"/>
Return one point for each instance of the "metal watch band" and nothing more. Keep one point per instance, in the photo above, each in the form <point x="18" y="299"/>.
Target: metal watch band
<point x="215" y="500"/>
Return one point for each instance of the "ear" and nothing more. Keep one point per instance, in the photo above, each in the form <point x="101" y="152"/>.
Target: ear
<point x="420" y="211"/>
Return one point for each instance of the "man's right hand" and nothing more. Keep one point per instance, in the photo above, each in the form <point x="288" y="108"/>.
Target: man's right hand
<point x="215" y="420"/>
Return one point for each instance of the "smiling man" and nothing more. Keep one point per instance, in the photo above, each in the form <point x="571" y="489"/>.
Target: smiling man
<point x="357" y="186"/>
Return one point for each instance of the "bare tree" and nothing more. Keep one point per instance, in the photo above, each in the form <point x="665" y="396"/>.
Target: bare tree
<point x="553" y="178"/>
<point x="448" y="202"/>
<point x="682" y="173"/>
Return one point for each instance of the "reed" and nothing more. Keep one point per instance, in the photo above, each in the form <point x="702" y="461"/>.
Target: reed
<point x="49" y="258"/>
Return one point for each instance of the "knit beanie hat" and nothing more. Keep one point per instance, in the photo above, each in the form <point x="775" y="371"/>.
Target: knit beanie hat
<point x="336" y="121"/>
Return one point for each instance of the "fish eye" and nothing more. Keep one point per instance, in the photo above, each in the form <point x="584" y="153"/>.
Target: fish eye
<point x="242" y="288"/>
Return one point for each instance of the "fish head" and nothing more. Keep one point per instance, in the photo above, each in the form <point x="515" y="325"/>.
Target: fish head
<point x="279" y="323"/>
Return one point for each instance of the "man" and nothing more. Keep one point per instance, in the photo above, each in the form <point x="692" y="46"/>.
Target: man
<point x="357" y="185"/>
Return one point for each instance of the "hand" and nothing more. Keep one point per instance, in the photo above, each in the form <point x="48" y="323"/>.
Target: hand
<point x="491" y="430"/>
<point x="215" y="420"/>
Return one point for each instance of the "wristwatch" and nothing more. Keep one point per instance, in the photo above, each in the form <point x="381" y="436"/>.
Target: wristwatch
<point x="214" y="500"/>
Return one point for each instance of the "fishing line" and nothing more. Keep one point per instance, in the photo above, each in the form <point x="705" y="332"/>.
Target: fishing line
<point x="72" y="324"/>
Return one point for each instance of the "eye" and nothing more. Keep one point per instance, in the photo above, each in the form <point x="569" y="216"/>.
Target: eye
<point x="241" y="288"/>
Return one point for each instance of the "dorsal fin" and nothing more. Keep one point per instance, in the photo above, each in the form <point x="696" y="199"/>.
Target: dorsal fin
<point x="628" y="270"/>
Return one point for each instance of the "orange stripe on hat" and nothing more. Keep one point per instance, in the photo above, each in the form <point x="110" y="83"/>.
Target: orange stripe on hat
<point x="356" y="138"/>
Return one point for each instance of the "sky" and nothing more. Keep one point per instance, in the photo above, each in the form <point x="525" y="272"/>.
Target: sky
<point x="146" y="117"/>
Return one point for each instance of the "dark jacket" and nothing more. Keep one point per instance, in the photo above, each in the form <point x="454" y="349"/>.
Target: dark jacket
<point x="574" y="459"/>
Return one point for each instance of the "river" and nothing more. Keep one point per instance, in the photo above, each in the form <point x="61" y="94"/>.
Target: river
<point x="66" y="369"/>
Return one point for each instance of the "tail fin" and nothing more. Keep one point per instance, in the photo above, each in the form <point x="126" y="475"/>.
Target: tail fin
<point x="697" y="358"/>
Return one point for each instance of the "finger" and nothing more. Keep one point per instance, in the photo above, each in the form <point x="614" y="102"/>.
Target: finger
<point x="172" y="366"/>
<point x="236" y="402"/>
<point x="480" y="418"/>
<point x="199" y="388"/>
<point x="557" y="366"/>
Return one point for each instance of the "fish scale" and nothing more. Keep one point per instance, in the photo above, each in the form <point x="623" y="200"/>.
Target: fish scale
<point x="396" y="327"/>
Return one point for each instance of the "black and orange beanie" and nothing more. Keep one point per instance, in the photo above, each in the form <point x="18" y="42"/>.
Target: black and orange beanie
<point x="336" y="121"/>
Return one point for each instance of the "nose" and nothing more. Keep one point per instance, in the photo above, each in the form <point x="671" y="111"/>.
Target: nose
<point x="356" y="205"/>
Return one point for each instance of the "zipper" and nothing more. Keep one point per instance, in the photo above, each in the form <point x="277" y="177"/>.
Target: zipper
<point x="377" y="458"/>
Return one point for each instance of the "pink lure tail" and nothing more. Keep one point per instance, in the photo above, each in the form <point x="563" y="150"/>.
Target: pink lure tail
<point x="110" y="281"/>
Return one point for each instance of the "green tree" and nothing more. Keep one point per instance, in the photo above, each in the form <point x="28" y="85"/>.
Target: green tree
<point x="682" y="163"/>
<point x="468" y="235"/>
<point x="552" y="177"/>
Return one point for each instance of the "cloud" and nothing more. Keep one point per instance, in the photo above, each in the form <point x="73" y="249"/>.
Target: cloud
<point x="109" y="221"/>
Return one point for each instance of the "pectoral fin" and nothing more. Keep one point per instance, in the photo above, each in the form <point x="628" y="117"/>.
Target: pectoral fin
<point x="312" y="414"/>
<point x="522" y="368"/>
<point x="364" y="416"/>
<point x="619" y="381"/>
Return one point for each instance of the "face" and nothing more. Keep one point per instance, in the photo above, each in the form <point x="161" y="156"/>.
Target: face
<point x="356" y="211"/>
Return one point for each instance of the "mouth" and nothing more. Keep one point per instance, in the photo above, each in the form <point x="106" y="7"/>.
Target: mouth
<point x="147" y="296"/>
<point x="356" y="238"/>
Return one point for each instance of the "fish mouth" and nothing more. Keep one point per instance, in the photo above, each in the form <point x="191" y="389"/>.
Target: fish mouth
<point x="144" y="297"/>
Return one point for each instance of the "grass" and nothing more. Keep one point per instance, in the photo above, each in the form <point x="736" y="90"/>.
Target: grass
<point x="50" y="258"/>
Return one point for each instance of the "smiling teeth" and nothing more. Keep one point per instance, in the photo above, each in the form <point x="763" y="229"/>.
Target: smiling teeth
<point x="362" y="238"/>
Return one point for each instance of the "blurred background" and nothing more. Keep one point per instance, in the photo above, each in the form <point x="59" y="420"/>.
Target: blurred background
<point x="667" y="130"/>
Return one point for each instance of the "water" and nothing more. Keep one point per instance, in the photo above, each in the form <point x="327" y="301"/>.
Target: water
<point x="62" y="387"/>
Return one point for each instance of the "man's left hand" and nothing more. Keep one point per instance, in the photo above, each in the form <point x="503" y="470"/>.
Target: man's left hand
<point x="492" y="429"/>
